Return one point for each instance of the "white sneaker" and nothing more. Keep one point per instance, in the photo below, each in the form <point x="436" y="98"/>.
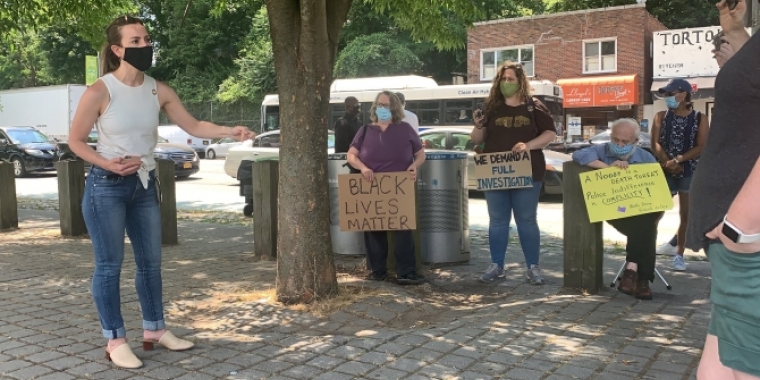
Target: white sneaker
<point x="667" y="249"/>
<point x="679" y="264"/>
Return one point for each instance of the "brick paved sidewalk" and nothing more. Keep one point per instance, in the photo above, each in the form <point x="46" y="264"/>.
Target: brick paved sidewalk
<point x="216" y="292"/>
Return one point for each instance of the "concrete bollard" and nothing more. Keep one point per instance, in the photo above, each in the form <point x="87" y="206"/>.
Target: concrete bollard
<point x="8" y="201"/>
<point x="70" y="193"/>
<point x="168" y="195"/>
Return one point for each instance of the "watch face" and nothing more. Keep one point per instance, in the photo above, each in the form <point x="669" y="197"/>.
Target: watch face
<point x="730" y="233"/>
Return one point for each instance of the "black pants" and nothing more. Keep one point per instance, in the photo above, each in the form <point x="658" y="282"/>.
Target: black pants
<point x="377" y="251"/>
<point x="641" y="231"/>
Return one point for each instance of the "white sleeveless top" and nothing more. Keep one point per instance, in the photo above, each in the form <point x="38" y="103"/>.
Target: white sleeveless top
<point x="129" y="124"/>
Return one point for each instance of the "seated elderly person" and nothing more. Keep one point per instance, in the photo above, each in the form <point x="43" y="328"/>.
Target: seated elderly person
<point x="641" y="230"/>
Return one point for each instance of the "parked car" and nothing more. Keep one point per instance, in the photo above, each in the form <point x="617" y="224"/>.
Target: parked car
<point x="645" y="142"/>
<point x="221" y="147"/>
<point x="28" y="149"/>
<point x="186" y="161"/>
<point x="458" y="139"/>
<point x="263" y="146"/>
<point x="176" y="135"/>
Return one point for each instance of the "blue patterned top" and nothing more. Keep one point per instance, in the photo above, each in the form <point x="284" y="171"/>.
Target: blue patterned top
<point x="678" y="135"/>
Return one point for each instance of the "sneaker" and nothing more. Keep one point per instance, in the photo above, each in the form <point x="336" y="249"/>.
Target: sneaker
<point x="493" y="272"/>
<point x="411" y="278"/>
<point x="378" y="276"/>
<point x="679" y="264"/>
<point x="667" y="249"/>
<point x="534" y="275"/>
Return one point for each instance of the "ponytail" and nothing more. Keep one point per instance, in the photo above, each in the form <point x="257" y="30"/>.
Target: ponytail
<point x="110" y="62"/>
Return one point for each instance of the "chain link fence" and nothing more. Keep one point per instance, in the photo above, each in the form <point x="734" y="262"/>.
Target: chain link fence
<point x="230" y="114"/>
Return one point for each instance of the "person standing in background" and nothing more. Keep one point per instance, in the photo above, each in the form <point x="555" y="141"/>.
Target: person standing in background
<point x="409" y="116"/>
<point x="678" y="136"/>
<point x="347" y="126"/>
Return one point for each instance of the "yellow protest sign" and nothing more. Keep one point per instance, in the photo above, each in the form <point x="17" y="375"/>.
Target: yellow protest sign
<point x="503" y="170"/>
<point x="385" y="204"/>
<point x="614" y="193"/>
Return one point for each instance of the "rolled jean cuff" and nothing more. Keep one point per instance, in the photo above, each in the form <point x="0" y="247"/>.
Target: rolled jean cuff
<point x="154" y="325"/>
<point x="121" y="332"/>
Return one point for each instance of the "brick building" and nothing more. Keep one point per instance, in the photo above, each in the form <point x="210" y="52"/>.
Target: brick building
<point x="600" y="57"/>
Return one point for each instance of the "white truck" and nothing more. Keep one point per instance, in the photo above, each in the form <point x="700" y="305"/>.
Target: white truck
<point x="50" y="109"/>
<point x="177" y="135"/>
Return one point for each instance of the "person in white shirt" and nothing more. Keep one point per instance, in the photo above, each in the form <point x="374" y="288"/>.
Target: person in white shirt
<point x="409" y="117"/>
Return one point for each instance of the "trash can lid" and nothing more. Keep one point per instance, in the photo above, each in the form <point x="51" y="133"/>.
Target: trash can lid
<point x="438" y="155"/>
<point x="337" y="156"/>
<point x="270" y="158"/>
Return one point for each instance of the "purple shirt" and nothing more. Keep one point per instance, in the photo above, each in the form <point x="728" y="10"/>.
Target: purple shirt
<point x="389" y="151"/>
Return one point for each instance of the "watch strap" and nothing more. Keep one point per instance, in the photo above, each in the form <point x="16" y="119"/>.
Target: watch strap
<point x="738" y="236"/>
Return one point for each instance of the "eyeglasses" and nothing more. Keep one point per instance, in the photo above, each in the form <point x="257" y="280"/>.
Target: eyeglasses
<point x="385" y="105"/>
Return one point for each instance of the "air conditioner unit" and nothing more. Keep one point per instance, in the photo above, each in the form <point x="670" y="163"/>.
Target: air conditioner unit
<point x="624" y="107"/>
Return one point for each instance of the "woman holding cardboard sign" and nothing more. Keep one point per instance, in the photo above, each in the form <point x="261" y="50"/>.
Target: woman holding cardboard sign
<point x="514" y="121"/>
<point x="388" y="145"/>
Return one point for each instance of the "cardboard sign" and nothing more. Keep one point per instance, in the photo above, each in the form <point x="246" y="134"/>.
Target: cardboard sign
<point x="504" y="170"/>
<point x="614" y="193"/>
<point x="386" y="204"/>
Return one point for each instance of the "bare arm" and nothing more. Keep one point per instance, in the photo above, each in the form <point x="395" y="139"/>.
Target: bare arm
<point x="93" y="100"/>
<point x="659" y="152"/>
<point x="419" y="159"/>
<point x="702" y="133"/>
<point x="173" y="107"/>
<point x="353" y="159"/>
<point x="478" y="134"/>
<point x="744" y="213"/>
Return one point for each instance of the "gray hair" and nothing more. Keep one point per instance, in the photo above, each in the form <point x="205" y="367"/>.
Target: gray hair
<point x="633" y="123"/>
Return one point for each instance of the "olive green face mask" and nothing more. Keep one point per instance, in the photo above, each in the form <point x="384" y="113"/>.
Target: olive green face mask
<point x="508" y="89"/>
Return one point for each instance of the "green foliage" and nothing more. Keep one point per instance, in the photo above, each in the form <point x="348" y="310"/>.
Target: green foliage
<point x="22" y="61"/>
<point x="674" y="14"/>
<point x="255" y="76"/>
<point x="378" y="54"/>
<point x="65" y="52"/>
<point x="196" y="44"/>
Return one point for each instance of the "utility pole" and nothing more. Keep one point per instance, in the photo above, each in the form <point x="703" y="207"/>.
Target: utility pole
<point x="751" y="15"/>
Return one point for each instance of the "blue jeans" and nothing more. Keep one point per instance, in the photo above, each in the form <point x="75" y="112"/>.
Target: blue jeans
<point x="111" y="205"/>
<point x="524" y="204"/>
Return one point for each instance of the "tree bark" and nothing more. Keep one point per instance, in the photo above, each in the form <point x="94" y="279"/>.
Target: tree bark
<point x="305" y="39"/>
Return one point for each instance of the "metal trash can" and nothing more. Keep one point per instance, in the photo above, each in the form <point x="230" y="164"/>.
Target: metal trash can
<point x="245" y="176"/>
<point x="443" y="208"/>
<point x="343" y="243"/>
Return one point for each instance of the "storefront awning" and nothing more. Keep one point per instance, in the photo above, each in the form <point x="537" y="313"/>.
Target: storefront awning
<point x="702" y="87"/>
<point x="604" y="91"/>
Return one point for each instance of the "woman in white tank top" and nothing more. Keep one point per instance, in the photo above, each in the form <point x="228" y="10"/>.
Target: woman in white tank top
<point x="120" y="191"/>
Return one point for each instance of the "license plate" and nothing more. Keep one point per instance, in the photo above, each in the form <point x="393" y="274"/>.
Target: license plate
<point x="187" y="165"/>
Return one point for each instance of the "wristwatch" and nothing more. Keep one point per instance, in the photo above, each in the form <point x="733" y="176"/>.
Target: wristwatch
<point x="736" y="235"/>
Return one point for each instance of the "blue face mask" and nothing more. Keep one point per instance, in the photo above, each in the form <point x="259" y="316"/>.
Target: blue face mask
<point x="671" y="102"/>
<point x="620" y="151"/>
<point x="383" y="114"/>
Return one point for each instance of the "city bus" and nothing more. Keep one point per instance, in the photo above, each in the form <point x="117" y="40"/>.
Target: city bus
<point x="434" y="105"/>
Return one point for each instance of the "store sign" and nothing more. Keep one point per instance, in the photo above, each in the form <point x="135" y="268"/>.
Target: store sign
<point x="683" y="53"/>
<point x="599" y="93"/>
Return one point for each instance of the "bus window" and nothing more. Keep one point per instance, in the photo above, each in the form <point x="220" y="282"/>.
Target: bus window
<point x="272" y="121"/>
<point x="459" y="112"/>
<point x="428" y="112"/>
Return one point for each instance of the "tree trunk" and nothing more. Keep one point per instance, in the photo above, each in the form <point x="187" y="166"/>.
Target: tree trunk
<point x="304" y="39"/>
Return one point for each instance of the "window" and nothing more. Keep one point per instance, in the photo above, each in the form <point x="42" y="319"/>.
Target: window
<point x="459" y="112"/>
<point x="491" y="59"/>
<point x="462" y="142"/>
<point x="599" y="56"/>
<point x="435" y="140"/>
<point x="271" y="141"/>
<point x="428" y="113"/>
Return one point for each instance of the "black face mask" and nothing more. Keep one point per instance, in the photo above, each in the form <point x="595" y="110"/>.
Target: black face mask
<point x="353" y="111"/>
<point x="140" y="58"/>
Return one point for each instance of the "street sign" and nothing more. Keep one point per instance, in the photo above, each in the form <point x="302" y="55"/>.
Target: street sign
<point x="90" y="69"/>
<point x="574" y="126"/>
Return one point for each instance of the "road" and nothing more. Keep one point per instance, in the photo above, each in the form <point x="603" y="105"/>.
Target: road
<point x="212" y="189"/>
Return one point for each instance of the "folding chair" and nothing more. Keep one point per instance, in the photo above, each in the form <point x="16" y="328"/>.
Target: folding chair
<point x="622" y="267"/>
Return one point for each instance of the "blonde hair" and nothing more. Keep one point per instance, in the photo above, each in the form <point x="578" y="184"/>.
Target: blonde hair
<point x="495" y="98"/>
<point x="396" y="109"/>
